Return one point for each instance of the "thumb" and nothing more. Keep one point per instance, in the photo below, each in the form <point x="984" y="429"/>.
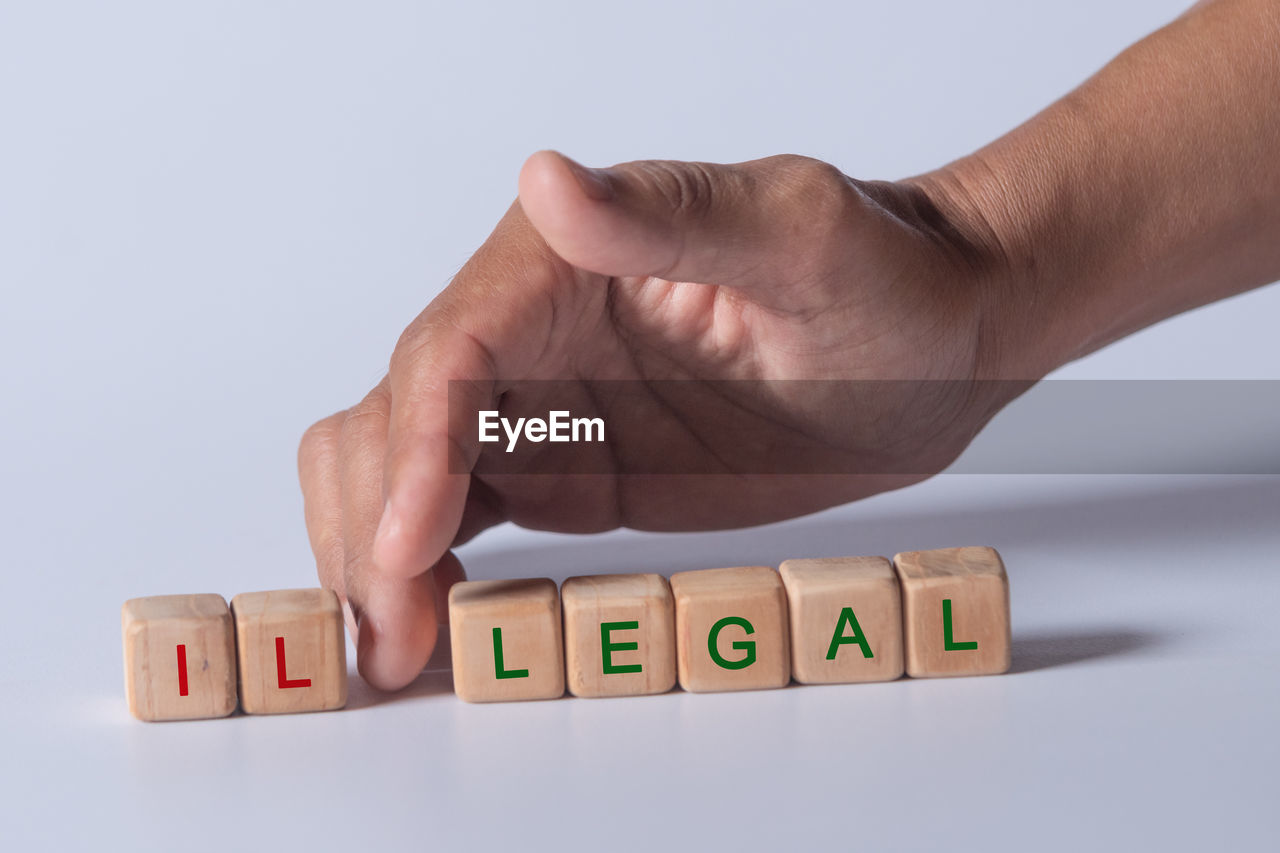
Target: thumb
<point x="741" y="224"/>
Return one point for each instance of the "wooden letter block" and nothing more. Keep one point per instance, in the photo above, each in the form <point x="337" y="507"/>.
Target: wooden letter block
<point x="179" y="657"/>
<point x="731" y="629"/>
<point x="292" y="651"/>
<point x="619" y="635"/>
<point x="846" y="619"/>
<point x="956" y="611"/>
<point x="506" y="640"/>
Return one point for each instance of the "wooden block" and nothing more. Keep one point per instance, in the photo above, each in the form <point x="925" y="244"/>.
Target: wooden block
<point x="846" y="619"/>
<point x="619" y="635"/>
<point x="731" y="629"/>
<point x="506" y="638"/>
<point x="955" y="611"/>
<point x="179" y="657"/>
<point x="292" y="651"/>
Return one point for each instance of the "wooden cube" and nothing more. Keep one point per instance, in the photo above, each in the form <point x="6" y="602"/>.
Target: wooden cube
<point x="619" y="635"/>
<point x="507" y="642"/>
<point x="846" y="619"/>
<point x="179" y="657"/>
<point x="731" y="629"/>
<point x="292" y="651"/>
<point x="955" y="611"/>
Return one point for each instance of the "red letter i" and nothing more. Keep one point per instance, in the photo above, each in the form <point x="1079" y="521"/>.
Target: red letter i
<point x="283" y="679"/>
<point x="182" y="669"/>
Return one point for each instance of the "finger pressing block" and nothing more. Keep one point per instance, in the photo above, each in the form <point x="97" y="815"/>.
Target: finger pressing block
<point x="731" y="629"/>
<point x="179" y="657"/>
<point x="955" y="611"/>
<point x="506" y="640"/>
<point x="292" y="651"/>
<point x="619" y="635"/>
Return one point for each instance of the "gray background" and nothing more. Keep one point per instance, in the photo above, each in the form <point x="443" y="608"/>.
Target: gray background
<point x="215" y="218"/>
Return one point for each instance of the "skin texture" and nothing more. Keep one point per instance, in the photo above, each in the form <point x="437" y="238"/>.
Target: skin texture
<point x="1153" y="188"/>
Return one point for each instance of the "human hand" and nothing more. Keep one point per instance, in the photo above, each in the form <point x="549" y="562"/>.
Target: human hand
<point x="801" y="273"/>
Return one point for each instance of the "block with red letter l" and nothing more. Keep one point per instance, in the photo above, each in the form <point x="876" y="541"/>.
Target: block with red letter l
<point x="292" y="651"/>
<point x="179" y="657"/>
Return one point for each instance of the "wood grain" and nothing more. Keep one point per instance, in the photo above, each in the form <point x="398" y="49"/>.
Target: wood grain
<point x="849" y="598"/>
<point x="706" y="597"/>
<point x="974" y="581"/>
<point x="153" y="628"/>
<point x="643" y="599"/>
<point x="307" y="624"/>
<point x="527" y="613"/>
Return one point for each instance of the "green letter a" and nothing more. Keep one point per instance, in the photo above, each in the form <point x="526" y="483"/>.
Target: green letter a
<point x="838" y="638"/>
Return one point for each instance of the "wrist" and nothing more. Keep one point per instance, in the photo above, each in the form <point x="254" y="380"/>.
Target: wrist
<point x="988" y="220"/>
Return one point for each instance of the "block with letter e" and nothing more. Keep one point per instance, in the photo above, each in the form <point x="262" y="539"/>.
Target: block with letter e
<point x="506" y="640"/>
<point x="179" y="657"/>
<point x="731" y="629"/>
<point x="619" y="635"/>
<point x="955" y="604"/>
<point x="292" y="651"/>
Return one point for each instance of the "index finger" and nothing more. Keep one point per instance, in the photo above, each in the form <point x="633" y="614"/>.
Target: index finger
<point x="488" y="325"/>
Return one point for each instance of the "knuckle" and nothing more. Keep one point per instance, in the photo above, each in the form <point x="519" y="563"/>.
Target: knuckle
<point x="369" y="416"/>
<point x="821" y="202"/>
<point x="317" y="439"/>
<point x="819" y="188"/>
<point x="363" y="418"/>
<point x="686" y="188"/>
<point x="409" y="343"/>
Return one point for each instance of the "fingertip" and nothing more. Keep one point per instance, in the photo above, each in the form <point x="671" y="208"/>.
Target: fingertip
<point x="559" y="194"/>
<point x="397" y="632"/>
<point x="549" y="176"/>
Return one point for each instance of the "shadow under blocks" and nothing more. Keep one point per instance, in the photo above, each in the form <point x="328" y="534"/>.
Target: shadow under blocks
<point x="927" y="614"/>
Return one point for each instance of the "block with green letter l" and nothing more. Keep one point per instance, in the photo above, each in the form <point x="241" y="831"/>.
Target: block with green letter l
<point x="506" y="640"/>
<point x="955" y="612"/>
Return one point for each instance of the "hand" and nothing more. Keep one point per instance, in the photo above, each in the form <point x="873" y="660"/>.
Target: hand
<point x="1094" y="219"/>
<point x="805" y="274"/>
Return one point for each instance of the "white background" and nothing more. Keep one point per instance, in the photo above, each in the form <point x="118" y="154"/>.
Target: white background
<point x="215" y="218"/>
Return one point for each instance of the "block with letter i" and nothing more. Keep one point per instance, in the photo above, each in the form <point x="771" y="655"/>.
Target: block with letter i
<point x="179" y="657"/>
<point x="292" y="651"/>
<point x="846" y="619"/>
<point x="731" y="629"/>
<point x="506" y="640"/>
<point x="955" y="604"/>
<point x="619" y="635"/>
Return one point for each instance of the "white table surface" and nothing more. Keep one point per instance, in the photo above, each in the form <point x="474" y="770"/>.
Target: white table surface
<point x="214" y="221"/>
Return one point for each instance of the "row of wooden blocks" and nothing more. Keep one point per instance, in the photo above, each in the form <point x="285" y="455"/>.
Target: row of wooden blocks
<point x="819" y="621"/>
